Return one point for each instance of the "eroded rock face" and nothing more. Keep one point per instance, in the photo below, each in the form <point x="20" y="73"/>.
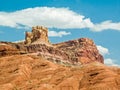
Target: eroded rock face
<point x="29" y="72"/>
<point x="82" y="50"/>
<point x="38" y="35"/>
<point x="8" y="50"/>
<point x="75" y="52"/>
<point x="71" y="65"/>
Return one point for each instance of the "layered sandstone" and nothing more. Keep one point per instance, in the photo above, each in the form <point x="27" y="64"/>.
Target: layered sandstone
<point x="82" y="50"/>
<point x="38" y="35"/>
<point x="29" y="72"/>
<point x="75" y="52"/>
<point x="70" y="65"/>
<point x="7" y="50"/>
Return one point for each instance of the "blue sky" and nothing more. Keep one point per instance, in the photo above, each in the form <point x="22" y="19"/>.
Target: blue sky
<point x="66" y="19"/>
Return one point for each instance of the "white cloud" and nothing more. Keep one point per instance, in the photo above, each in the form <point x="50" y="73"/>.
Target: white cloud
<point x="102" y="50"/>
<point x="58" y="34"/>
<point x="110" y="62"/>
<point x="107" y="61"/>
<point x="105" y="26"/>
<point x="51" y="17"/>
<point x="46" y="16"/>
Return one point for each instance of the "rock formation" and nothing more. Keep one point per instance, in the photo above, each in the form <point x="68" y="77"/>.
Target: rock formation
<point x="38" y="35"/>
<point x="30" y="72"/>
<point x="8" y="50"/>
<point x="39" y="65"/>
<point x="75" y="52"/>
<point x="82" y="50"/>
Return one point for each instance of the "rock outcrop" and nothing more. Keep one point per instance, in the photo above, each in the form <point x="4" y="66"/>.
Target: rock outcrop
<point x="82" y="50"/>
<point x="7" y="50"/>
<point x="29" y="72"/>
<point x="39" y="65"/>
<point x="38" y="35"/>
<point x="75" y="52"/>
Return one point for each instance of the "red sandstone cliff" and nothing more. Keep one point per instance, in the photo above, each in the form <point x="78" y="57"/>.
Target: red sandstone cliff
<point x="37" y="64"/>
<point x="76" y="52"/>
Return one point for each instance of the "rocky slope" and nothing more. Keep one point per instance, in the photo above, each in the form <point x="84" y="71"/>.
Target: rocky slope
<point x="36" y="64"/>
<point x="76" y="52"/>
<point x="30" y="72"/>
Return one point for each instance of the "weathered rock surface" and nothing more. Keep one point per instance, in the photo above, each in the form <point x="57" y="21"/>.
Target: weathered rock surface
<point x="76" y="52"/>
<point x="82" y="50"/>
<point x="71" y="65"/>
<point x="29" y="72"/>
<point x="8" y="50"/>
<point x="38" y="35"/>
